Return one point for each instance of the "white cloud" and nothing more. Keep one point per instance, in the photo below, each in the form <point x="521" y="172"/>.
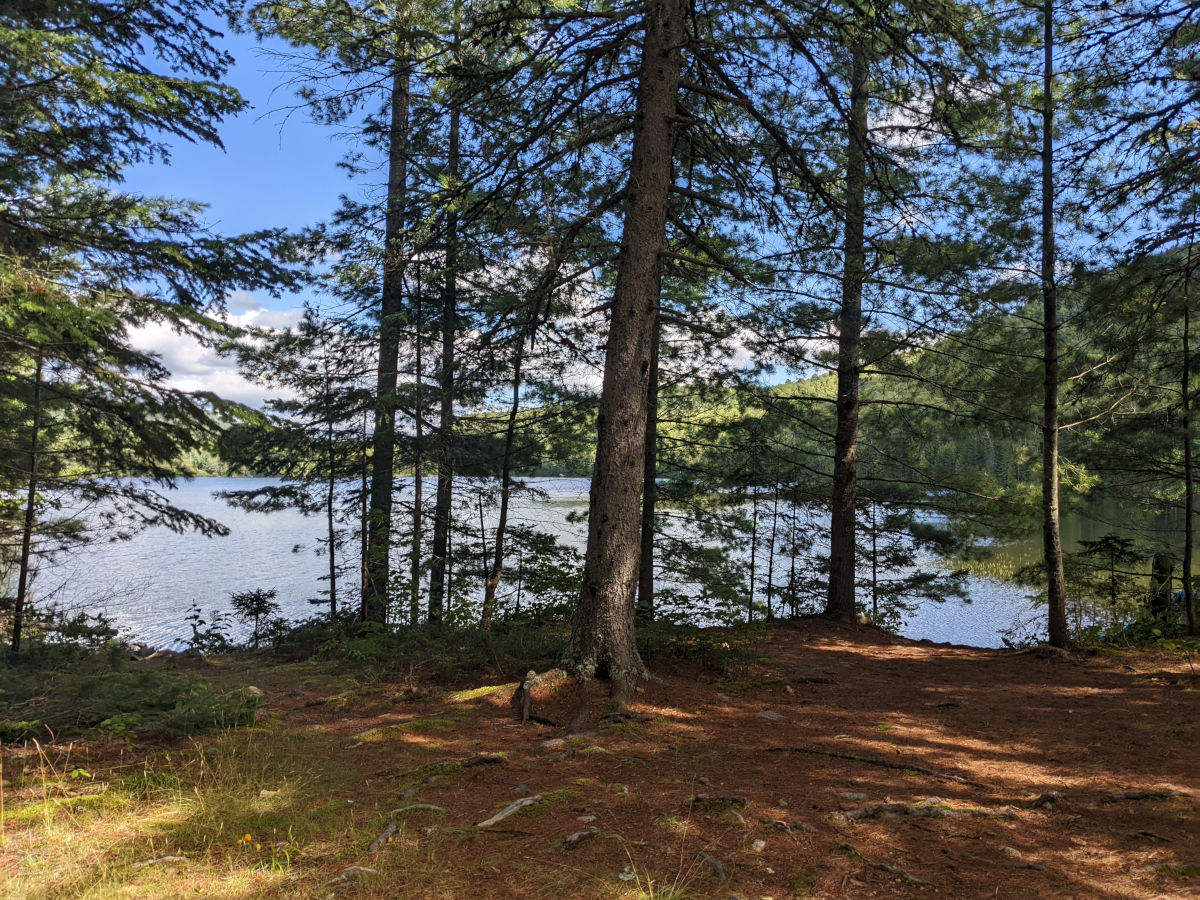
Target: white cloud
<point x="194" y="367"/>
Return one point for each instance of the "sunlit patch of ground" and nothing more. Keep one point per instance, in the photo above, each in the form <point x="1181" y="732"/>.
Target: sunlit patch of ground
<point x="842" y="762"/>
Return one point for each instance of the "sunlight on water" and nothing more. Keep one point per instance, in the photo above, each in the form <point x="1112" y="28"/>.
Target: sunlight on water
<point x="146" y="585"/>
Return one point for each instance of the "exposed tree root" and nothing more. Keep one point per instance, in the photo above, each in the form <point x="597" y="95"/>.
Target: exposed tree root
<point x="522" y="698"/>
<point x="884" y="763"/>
<point x="384" y="838"/>
<point x="714" y="864"/>
<point x="930" y="809"/>
<point x="1123" y="796"/>
<point x="875" y="864"/>
<point x="514" y="807"/>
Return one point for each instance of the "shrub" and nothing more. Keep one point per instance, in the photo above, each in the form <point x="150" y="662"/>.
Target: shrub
<point x="67" y="690"/>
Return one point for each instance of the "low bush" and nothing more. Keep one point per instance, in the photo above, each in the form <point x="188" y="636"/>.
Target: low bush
<point x="61" y="691"/>
<point x="442" y="653"/>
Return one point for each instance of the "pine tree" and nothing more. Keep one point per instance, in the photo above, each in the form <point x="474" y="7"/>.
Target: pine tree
<point x="89" y="88"/>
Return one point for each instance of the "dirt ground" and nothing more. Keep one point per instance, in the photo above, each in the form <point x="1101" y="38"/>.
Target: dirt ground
<point x="842" y="762"/>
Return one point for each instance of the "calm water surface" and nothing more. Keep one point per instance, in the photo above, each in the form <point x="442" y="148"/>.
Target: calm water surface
<point x="146" y="585"/>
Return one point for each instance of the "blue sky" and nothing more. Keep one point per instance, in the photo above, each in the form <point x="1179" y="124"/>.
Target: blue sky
<point x="276" y="170"/>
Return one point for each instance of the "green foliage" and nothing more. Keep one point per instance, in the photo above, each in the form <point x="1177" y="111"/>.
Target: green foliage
<point x="210" y="634"/>
<point x="718" y="649"/>
<point x="438" y="652"/>
<point x="257" y="606"/>
<point x="65" y="690"/>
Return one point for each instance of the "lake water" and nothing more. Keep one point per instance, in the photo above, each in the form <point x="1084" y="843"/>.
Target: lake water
<point x="146" y="585"/>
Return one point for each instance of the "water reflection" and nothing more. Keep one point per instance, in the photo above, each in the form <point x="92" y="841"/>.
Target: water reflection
<point x="147" y="585"/>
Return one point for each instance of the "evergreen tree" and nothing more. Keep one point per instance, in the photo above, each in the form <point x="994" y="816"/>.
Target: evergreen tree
<point x="90" y="87"/>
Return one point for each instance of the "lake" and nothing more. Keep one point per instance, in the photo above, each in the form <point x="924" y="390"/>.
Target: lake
<point x="147" y="585"/>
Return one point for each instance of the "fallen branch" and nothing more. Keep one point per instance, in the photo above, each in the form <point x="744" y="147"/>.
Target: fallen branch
<point x="884" y="763"/>
<point x="515" y="806"/>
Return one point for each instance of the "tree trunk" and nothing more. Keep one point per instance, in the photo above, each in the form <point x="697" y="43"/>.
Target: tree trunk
<point x="364" y="501"/>
<point x="645" y="594"/>
<point x="443" y="504"/>
<point x="602" y="628"/>
<point x="1189" y="474"/>
<point x="1161" y="570"/>
<point x="1056" y="585"/>
<point x="753" y="554"/>
<point x="492" y="581"/>
<point x="383" y="442"/>
<point x="793" y="525"/>
<point x="874" y="566"/>
<point x="414" y="554"/>
<point x="331" y="531"/>
<point x="771" y="554"/>
<point x="840" y="603"/>
<point x="35" y="434"/>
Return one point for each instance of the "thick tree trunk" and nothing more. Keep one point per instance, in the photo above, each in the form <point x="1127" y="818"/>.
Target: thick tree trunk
<point x="645" y="593"/>
<point x="383" y="442"/>
<point x="493" y="577"/>
<point x="35" y="436"/>
<point x="443" y="504"/>
<point x="1056" y="584"/>
<point x="602" y="629"/>
<point x="840" y="602"/>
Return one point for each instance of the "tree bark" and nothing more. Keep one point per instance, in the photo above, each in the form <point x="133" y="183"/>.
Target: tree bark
<point x="1056" y="585"/>
<point x="1189" y="474"/>
<point x="753" y="553"/>
<point x="602" y="628"/>
<point x="383" y="441"/>
<point x="841" y="597"/>
<point x="771" y="554"/>
<point x="330" y="497"/>
<point x="443" y="503"/>
<point x="645" y="593"/>
<point x="1161" y="570"/>
<point x="35" y="434"/>
<point x="492" y="581"/>
<point x="418" y="515"/>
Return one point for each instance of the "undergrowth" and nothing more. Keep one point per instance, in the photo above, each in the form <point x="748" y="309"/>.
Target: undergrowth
<point x="56" y="691"/>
